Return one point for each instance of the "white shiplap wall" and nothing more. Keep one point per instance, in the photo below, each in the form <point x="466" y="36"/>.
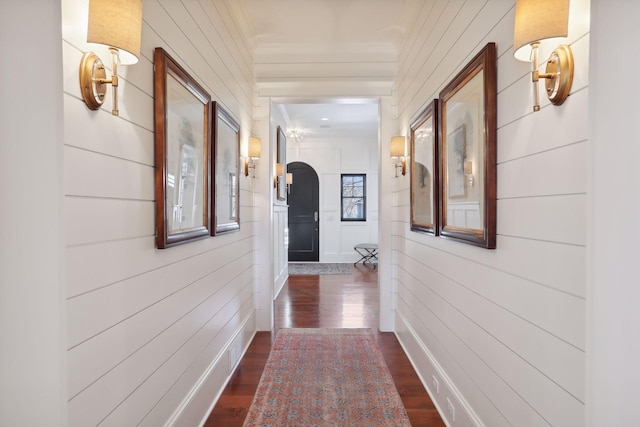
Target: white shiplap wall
<point x="502" y="330"/>
<point x="148" y="329"/>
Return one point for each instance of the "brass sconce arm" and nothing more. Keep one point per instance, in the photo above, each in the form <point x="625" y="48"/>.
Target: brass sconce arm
<point x="537" y="20"/>
<point x="289" y="181"/>
<point x="253" y="155"/>
<point x="398" y="154"/>
<point x="250" y="167"/>
<point x="402" y="165"/>
<point x="93" y="80"/>
<point x="558" y="75"/>
<point x="116" y="24"/>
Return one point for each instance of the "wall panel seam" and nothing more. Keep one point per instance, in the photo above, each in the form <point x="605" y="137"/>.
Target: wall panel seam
<point x="172" y="263"/>
<point x="158" y="334"/>
<point x="486" y="363"/>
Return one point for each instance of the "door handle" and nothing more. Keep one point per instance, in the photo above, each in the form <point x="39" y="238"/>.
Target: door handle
<point x="315" y="216"/>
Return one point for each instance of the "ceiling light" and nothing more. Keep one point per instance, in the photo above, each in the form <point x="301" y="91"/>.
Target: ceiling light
<point x="295" y="135"/>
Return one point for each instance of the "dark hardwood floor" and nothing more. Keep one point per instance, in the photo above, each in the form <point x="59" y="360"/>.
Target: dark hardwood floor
<point x="329" y="301"/>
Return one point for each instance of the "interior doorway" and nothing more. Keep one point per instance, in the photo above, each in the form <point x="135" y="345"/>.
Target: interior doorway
<point x="332" y="135"/>
<point x="304" y="213"/>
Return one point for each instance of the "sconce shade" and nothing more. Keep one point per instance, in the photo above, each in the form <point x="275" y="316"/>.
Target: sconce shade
<point x="397" y="146"/>
<point x="538" y="20"/>
<point x="117" y="23"/>
<point x="279" y="169"/>
<point x="289" y="178"/>
<point x="468" y="168"/>
<point x="255" y="147"/>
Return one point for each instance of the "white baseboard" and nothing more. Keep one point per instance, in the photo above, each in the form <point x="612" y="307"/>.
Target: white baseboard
<point x="197" y="405"/>
<point x="428" y="368"/>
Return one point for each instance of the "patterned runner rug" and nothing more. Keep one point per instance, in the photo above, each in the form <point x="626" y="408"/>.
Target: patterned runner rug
<point x="326" y="377"/>
<point x="319" y="268"/>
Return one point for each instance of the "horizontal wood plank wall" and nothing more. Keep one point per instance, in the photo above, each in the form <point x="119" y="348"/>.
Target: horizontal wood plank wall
<point x="148" y="329"/>
<point x="503" y="330"/>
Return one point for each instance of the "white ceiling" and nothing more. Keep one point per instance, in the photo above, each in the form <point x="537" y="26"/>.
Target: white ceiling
<point x="328" y="22"/>
<point x="347" y="25"/>
<point x="352" y="119"/>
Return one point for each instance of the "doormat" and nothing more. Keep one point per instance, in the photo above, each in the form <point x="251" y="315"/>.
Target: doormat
<point x="326" y="377"/>
<point x="319" y="268"/>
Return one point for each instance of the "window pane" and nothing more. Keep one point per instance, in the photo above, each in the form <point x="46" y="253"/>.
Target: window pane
<point x="352" y="209"/>
<point x="353" y="195"/>
<point x="347" y="186"/>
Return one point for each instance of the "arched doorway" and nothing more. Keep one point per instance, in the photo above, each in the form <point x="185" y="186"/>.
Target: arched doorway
<point x="304" y="205"/>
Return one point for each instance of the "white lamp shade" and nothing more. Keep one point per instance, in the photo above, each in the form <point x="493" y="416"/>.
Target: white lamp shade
<point x="255" y="147"/>
<point x="468" y="168"/>
<point x="538" y="20"/>
<point x="397" y="146"/>
<point x="279" y="169"/>
<point x="289" y="178"/>
<point x="117" y="23"/>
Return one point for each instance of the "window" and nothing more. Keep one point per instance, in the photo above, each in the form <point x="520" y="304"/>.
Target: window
<point x="353" y="197"/>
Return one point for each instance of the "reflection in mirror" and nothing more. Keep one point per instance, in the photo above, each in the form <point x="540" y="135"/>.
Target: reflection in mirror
<point x="185" y="204"/>
<point x="226" y="169"/>
<point x="424" y="167"/>
<point x="226" y="173"/>
<point x="464" y="145"/>
<point x="422" y="175"/>
<point x="467" y="135"/>
<point x="185" y="146"/>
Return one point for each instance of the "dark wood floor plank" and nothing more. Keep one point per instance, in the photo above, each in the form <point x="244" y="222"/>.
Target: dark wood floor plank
<point x="330" y="301"/>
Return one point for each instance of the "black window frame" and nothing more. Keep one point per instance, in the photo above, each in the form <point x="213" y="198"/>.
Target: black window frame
<point x="343" y="197"/>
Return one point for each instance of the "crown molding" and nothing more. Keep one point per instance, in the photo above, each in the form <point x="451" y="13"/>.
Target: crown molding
<point x="324" y="52"/>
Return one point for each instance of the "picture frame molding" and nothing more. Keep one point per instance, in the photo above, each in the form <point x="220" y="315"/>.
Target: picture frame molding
<point x="164" y="67"/>
<point x="281" y="157"/>
<point x="429" y="113"/>
<point x="485" y="61"/>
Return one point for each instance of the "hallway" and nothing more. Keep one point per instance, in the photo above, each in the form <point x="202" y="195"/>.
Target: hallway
<point x="328" y="301"/>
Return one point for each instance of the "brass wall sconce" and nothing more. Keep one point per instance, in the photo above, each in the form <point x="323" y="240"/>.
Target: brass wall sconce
<point x="538" y="20"/>
<point x="398" y="154"/>
<point x="289" y="181"/>
<point x="118" y="25"/>
<point x="468" y="172"/>
<point x="253" y="155"/>
<point x="279" y="174"/>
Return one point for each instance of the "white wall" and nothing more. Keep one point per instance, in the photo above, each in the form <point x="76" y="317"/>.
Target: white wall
<point x="149" y="330"/>
<point x="613" y="325"/>
<point x="280" y="207"/>
<point x="33" y="372"/>
<point x="501" y="330"/>
<point x="330" y="159"/>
